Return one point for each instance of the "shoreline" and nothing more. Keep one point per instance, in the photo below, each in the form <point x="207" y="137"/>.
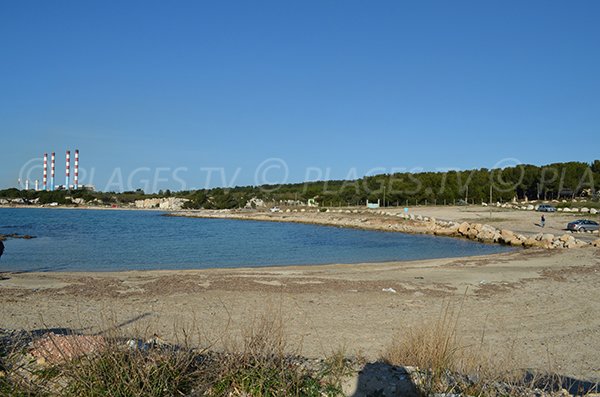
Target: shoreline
<point x="359" y="306"/>
<point x="395" y="220"/>
<point x="388" y="221"/>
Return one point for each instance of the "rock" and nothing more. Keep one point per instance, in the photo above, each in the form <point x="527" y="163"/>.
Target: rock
<point x="596" y="243"/>
<point x="530" y="207"/>
<point x="515" y="241"/>
<point x="593" y="211"/>
<point x="574" y="209"/>
<point x="497" y="237"/>
<point x="54" y="348"/>
<point x="166" y="203"/>
<point x="559" y="210"/>
<point x="444" y="231"/>
<point x="584" y="210"/>
<point x="548" y="237"/>
<point x="566" y="209"/>
<point x="463" y="228"/>
<point x="566" y="238"/>
<point x="558" y="244"/>
<point x="572" y="244"/>
<point x="473" y="231"/>
<point x="507" y="235"/>
<point x="255" y="202"/>
<point x="487" y="233"/>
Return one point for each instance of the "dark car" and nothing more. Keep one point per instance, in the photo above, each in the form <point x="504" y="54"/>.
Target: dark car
<point x="583" y="225"/>
<point x="546" y="208"/>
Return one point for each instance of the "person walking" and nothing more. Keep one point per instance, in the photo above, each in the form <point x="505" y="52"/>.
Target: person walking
<point x="542" y="221"/>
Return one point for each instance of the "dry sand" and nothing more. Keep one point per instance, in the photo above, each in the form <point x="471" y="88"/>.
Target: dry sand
<point x="542" y="306"/>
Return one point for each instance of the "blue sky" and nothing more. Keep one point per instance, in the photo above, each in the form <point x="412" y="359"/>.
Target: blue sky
<point x="190" y="94"/>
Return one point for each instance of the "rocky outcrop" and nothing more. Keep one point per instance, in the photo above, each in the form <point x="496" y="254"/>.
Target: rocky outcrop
<point x="255" y="203"/>
<point x="166" y="203"/>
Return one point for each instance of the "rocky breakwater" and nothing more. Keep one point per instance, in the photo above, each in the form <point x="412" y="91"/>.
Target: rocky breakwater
<point x="489" y="234"/>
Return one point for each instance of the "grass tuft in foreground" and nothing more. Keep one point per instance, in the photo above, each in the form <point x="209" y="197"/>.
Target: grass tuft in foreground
<point x="259" y="366"/>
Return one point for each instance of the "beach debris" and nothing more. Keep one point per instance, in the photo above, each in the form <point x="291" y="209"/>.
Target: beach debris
<point x="152" y="343"/>
<point x="393" y="291"/>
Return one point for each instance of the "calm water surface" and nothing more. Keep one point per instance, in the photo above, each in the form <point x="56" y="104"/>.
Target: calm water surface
<point x="95" y="240"/>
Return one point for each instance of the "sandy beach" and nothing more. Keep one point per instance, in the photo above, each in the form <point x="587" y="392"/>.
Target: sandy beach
<point x="538" y="306"/>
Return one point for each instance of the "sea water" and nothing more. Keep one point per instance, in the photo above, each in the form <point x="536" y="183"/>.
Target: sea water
<point x="114" y="240"/>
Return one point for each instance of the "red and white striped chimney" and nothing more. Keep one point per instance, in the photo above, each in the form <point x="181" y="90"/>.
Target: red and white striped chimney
<point x="45" y="178"/>
<point x="52" y="172"/>
<point x="76" y="171"/>
<point x="67" y="169"/>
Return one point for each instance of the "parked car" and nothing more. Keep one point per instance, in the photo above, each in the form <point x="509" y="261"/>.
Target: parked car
<point x="546" y="208"/>
<point x="583" y="225"/>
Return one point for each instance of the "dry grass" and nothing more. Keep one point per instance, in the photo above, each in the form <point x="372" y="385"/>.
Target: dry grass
<point x="258" y="362"/>
<point x="434" y="348"/>
<point x="444" y="364"/>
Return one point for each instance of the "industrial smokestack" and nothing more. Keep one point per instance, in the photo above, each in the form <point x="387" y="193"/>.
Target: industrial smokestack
<point x="45" y="179"/>
<point x="37" y="185"/>
<point x="76" y="171"/>
<point x="26" y="184"/>
<point x="52" y="172"/>
<point x="67" y="168"/>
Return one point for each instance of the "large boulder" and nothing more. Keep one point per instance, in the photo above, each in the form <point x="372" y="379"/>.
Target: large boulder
<point x="565" y="238"/>
<point x="575" y="244"/>
<point x="474" y="230"/>
<point x="517" y="240"/>
<point x="487" y="233"/>
<point x="593" y="211"/>
<point x="584" y="210"/>
<point x="507" y="234"/>
<point x="463" y="228"/>
<point x="596" y="243"/>
<point x="558" y="244"/>
<point x="444" y="231"/>
<point x="548" y="237"/>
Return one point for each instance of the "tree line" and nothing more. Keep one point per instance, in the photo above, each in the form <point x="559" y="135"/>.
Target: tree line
<point x="552" y="181"/>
